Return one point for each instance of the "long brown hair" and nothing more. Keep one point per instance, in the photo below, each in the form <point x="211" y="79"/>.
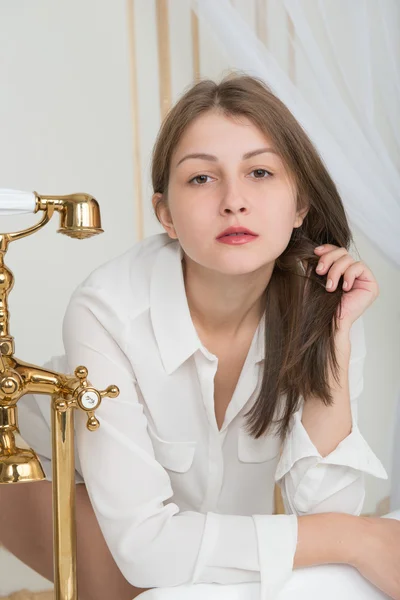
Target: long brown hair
<point x="300" y="315"/>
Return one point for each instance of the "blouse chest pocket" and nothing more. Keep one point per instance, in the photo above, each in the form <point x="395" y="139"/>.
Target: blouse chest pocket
<point x="257" y="450"/>
<point x="174" y="456"/>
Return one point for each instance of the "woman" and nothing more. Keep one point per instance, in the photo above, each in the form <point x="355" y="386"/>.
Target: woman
<point x="238" y="365"/>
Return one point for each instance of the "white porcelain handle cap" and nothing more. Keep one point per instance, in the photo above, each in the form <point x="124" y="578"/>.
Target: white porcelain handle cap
<point x="16" y="202"/>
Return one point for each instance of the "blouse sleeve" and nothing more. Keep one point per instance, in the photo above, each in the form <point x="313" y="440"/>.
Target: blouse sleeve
<point x="311" y="483"/>
<point x="153" y="543"/>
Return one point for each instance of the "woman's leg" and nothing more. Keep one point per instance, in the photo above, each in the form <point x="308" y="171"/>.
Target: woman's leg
<point x="26" y="531"/>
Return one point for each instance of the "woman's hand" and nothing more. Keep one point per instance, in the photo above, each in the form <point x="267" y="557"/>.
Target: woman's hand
<point x="377" y="555"/>
<point x="359" y="283"/>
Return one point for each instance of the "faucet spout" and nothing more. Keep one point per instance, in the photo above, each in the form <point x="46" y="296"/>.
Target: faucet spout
<point x="18" y="378"/>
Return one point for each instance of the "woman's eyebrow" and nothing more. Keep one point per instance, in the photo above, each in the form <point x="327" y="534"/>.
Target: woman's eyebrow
<point x="213" y="158"/>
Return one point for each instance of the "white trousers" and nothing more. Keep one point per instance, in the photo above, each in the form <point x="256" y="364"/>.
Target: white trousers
<point x="310" y="583"/>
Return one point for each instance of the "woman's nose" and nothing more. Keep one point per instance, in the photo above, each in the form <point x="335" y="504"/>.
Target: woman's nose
<point x="233" y="199"/>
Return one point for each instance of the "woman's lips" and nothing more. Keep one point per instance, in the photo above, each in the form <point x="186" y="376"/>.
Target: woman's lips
<point x="238" y="239"/>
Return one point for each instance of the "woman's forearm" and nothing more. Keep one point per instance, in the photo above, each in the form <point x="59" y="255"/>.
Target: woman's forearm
<point x="327" y="538"/>
<point x="327" y="426"/>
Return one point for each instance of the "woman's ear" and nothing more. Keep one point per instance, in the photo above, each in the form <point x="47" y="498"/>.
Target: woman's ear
<point x="163" y="213"/>
<point x="156" y="200"/>
<point x="300" y="216"/>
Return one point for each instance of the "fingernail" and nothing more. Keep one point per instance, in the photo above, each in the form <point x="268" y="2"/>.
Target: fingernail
<point x="319" y="248"/>
<point x="329" y="284"/>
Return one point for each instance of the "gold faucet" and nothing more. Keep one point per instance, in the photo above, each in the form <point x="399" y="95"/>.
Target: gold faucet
<point x="79" y="218"/>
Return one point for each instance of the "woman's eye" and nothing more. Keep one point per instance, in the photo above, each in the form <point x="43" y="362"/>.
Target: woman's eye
<point x="199" y="179"/>
<point x="260" y="173"/>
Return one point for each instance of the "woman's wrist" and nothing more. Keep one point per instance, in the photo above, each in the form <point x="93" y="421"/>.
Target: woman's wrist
<point x="328" y="538"/>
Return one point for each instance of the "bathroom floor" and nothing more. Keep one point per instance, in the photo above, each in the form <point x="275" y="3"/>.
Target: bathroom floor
<point x="28" y="595"/>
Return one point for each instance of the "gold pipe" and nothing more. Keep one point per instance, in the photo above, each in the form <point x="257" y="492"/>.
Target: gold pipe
<point x="64" y="530"/>
<point x="164" y="61"/>
<point x="137" y="170"/>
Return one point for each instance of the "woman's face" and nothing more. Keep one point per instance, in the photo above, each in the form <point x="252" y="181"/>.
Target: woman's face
<point x="236" y="181"/>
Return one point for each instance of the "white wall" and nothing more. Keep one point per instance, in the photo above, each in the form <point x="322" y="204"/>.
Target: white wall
<point x="66" y="126"/>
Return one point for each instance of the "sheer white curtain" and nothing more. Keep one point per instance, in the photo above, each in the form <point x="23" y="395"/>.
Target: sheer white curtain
<point x="346" y="95"/>
<point x="350" y="105"/>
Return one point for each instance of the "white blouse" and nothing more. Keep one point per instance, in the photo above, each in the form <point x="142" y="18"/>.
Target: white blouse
<point x="178" y="500"/>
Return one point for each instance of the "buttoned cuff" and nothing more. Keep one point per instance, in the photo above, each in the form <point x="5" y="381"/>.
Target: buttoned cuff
<point x="229" y="542"/>
<point x="240" y="549"/>
<point x="352" y="452"/>
<point x="277" y="543"/>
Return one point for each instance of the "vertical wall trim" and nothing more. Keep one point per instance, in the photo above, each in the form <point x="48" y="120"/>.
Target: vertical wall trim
<point x="195" y="46"/>
<point x="137" y="170"/>
<point x="261" y="21"/>
<point x="291" y="48"/>
<point x="164" y="59"/>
